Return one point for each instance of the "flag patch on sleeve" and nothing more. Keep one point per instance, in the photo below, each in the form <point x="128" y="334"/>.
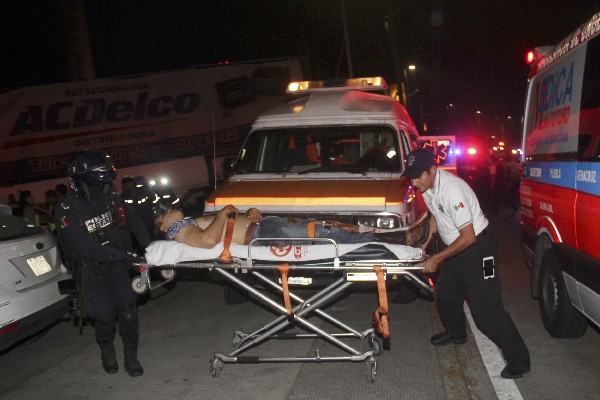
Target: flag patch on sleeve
<point x="459" y="206"/>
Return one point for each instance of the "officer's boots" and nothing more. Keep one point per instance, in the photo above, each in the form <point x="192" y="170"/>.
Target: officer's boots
<point x="128" y="325"/>
<point x="105" y="335"/>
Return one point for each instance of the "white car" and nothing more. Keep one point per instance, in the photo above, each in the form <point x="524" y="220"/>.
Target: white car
<point x="30" y="268"/>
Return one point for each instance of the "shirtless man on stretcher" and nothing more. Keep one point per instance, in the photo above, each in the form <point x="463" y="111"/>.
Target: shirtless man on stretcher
<point x="207" y="231"/>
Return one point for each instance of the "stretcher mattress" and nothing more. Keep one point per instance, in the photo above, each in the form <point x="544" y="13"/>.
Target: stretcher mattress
<point x="163" y="252"/>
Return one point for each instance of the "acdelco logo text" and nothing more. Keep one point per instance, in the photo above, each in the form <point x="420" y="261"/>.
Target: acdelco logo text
<point x="90" y="112"/>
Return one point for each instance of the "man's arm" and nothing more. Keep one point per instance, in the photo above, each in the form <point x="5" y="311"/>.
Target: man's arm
<point x="209" y="237"/>
<point x="432" y="231"/>
<point x="465" y="239"/>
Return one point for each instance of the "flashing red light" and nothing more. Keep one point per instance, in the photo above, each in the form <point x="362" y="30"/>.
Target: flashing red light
<point x="472" y="151"/>
<point x="530" y="57"/>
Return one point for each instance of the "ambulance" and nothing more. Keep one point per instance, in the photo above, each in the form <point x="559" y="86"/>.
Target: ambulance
<point x="560" y="182"/>
<point x="334" y="153"/>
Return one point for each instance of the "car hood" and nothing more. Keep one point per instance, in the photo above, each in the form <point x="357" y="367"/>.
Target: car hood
<point x="344" y="194"/>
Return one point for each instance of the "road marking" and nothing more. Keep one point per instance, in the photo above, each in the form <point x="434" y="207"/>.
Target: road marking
<point x="505" y="389"/>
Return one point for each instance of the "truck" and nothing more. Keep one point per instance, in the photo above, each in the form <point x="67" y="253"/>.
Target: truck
<point x="559" y="192"/>
<point x="334" y="153"/>
<point x="177" y="124"/>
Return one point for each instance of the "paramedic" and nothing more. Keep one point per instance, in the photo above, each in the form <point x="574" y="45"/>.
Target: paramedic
<point x="458" y="219"/>
<point x="94" y="229"/>
<point x="207" y="231"/>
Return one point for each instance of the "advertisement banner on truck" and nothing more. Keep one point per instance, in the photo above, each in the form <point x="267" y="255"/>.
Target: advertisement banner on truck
<point x="139" y="120"/>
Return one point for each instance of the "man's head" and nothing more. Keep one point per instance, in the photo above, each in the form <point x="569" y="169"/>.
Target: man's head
<point x="128" y="183"/>
<point x="421" y="169"/>
<point x="164" y="220"/>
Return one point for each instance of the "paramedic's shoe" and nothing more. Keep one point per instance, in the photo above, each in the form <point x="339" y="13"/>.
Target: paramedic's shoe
<point x="443" y="339"/>
<point x="515" y="371"/>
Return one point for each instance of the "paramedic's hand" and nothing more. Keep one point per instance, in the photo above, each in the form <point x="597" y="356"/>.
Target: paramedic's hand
<point x="430" y="265"/>
<point x="254" y="214"/>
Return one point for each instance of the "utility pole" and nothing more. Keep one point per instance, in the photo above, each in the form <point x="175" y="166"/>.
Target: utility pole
<point x="78" y="41"/>
<point x="346" y="40"/>
<point x="390" y="30"/>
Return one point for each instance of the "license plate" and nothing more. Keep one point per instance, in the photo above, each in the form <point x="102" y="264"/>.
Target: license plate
<point x="39" y="265"/>
<point x="298" y="280"/>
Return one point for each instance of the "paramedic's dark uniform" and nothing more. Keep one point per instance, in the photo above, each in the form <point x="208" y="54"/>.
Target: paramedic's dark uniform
<point x="454" y="205"/>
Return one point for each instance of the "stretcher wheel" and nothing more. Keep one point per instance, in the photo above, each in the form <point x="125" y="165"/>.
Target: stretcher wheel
<point x="371" y="371"/>
<point x="375" y="344"/>
<point x="139" y="286"/>
<point x="167" y="273"/>
<point x="213" y="369"/>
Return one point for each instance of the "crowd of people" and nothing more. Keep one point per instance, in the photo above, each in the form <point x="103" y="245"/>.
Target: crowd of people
<point x="41" y="214"/>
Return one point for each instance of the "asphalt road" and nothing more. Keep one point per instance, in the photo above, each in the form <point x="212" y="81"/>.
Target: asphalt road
<point x="182" y="328"/>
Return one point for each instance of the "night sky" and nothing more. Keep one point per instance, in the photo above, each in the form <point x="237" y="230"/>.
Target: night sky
<point x="475" y="57"/>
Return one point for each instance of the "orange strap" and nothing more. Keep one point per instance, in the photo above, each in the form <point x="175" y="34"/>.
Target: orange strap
<point x="310" y="226"/>
<point x="226" y="254"/>
<point x="380" y="316"/>
<point x="284" y="270"/>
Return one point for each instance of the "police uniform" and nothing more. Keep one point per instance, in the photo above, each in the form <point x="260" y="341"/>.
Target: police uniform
<point x="94" y="227"/>
<point x="97" y="231"/>
<point x="454" y="205"/>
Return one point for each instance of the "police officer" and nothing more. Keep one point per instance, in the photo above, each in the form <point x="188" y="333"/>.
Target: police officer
<point x="94" y="226"/>
<point x="466" y="265"/>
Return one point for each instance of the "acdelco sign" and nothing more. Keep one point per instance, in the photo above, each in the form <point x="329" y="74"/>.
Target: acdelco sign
<point x="94" y="111"/>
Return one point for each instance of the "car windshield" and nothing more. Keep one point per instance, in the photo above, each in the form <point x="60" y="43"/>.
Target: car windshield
<point x="320" y="149"/>
<point x="12" y="227"/>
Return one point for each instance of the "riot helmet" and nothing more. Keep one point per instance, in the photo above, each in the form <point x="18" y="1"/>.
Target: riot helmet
<point x="91" y="169"/>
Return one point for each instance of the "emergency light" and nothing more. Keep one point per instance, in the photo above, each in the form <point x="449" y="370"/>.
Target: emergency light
<point x="535" y="55"/>
<point x="368" y="83"/>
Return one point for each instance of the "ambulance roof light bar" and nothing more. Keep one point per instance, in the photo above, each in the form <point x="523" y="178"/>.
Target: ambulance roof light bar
<point x="369" y="83"/>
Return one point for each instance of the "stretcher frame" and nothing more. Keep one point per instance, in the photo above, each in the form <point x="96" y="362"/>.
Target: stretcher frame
<point x="370" y="342"/>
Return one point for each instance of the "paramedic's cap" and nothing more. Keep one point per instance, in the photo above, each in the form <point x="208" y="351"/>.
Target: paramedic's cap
<point x="418" y="161"/>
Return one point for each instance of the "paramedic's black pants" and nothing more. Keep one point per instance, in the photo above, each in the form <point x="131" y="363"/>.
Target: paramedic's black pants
<point x="463" y="275"/>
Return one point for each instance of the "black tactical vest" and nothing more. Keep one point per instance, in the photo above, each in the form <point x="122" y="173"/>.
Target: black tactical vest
<point x="105" y="225"/>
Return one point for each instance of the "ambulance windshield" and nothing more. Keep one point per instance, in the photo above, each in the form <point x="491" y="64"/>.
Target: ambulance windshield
<point x="354" y="149"/>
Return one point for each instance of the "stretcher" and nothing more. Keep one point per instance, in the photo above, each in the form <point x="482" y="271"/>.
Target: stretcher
<point x="270" y="265"/>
